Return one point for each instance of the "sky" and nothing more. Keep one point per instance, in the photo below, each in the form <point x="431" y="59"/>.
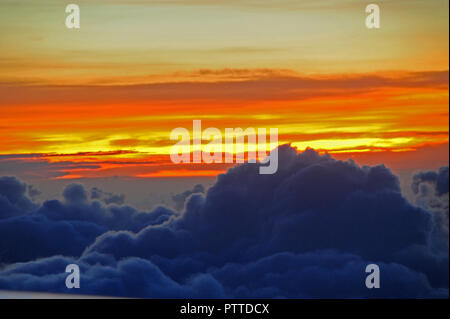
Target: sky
<point x="101" y="101"/>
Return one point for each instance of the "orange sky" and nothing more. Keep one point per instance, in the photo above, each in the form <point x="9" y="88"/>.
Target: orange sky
<point x="125" y="130"/>
<point x="96" y="104"/>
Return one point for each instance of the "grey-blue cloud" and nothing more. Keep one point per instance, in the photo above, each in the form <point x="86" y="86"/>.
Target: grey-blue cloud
<point x="307" y="231"/>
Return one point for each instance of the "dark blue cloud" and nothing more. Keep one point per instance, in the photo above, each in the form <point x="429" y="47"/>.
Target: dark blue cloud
<point x="29" y="231"/>
<point x="324" y="274"/>
<point x="13" y="199"/>
<point x="307" y="231"/>
<point x="75" y="194"/>
<point x="34" y="236"/>
<point x="442" y="181"/>
<point x="133" y="277"/>
<point x="113" y="217"/>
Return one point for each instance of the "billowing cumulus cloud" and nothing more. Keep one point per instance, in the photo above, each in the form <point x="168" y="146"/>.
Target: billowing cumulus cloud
<point x="180" y="199"/>
<point x="13" y="199"/>
<point x="432" y="192"/>
<point x="307" y="231"/>
<point x="29" y="231"/>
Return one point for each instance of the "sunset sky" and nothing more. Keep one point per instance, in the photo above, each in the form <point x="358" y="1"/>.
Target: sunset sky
<point x="357" y="203"/>
<point x="101" y="101"/>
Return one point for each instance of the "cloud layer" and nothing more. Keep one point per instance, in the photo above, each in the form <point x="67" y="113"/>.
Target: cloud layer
<point x="308" y="231"/>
